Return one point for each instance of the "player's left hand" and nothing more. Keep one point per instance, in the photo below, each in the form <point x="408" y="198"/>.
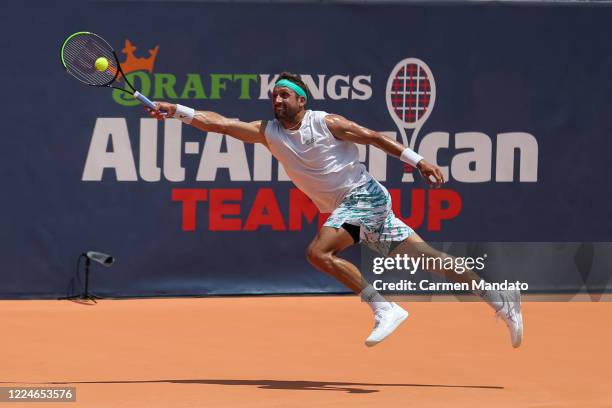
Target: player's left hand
<point x="432" y="174"/>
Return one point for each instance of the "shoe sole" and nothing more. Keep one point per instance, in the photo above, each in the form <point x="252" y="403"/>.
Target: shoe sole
<point x="395" y="325"/>
<point x="519" y="341"/>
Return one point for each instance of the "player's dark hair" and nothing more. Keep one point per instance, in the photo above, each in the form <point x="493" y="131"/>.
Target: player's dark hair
<point x="296" y="78"/>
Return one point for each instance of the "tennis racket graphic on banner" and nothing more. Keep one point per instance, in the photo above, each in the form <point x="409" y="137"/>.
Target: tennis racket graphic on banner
<point x="411" y="94"/>
<point x="90" y="59"/>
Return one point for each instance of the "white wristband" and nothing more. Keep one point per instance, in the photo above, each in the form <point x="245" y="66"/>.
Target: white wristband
<point x="184" y="113"/>
<point x="411" y="157"/>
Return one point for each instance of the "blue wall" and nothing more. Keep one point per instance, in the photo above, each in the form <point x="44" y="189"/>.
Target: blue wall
<point x="534" y="76"/>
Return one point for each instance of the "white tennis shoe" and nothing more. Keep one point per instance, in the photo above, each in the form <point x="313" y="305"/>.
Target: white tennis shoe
<point x="510" y="313"/>
<point x="386" y="321"/>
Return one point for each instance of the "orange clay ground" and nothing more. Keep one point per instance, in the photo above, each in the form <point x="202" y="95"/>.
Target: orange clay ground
<point x="305" y="352"/>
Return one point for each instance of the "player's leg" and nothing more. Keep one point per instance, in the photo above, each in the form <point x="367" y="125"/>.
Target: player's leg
<point x="359" y="209"/>
<point x="322" y="254"/>
<point x="414" y="246"/>
<point x="507" y="304"/>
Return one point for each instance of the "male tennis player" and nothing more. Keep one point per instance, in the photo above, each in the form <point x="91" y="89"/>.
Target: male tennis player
<point x="318" y="152"/>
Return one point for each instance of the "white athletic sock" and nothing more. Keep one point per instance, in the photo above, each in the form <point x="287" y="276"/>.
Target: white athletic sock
<point x="374" y="299"/>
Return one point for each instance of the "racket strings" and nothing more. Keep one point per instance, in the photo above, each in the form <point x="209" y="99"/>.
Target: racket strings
<point x="410" y="93"/>
<point x="80" y="54"/>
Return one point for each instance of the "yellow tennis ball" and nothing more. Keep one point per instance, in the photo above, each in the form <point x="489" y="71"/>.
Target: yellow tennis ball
<point x="101" y="64"/>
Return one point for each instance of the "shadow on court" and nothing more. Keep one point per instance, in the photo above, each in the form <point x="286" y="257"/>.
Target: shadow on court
<point x="349" y="387"/>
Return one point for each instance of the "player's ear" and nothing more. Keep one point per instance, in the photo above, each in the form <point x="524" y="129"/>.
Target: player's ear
<point x="302" y="101"/>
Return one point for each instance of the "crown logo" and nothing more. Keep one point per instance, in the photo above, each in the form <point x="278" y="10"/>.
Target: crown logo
<point x="134" y="63"/>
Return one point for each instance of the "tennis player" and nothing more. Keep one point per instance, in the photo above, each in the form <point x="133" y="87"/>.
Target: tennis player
<point x="318" y="152"/>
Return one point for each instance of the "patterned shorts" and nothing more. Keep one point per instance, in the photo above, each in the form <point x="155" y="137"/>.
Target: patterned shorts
<point x="369" y="208"/>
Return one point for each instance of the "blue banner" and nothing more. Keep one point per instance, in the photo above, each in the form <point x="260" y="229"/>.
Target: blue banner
<point x="510" y="100"/>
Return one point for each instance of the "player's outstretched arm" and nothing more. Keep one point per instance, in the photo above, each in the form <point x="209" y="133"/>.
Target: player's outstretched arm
<point x="350" y="131"/>
<point x="252" y="132"/>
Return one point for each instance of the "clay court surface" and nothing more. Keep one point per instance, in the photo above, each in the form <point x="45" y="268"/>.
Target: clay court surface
<point x="305" y="352"/>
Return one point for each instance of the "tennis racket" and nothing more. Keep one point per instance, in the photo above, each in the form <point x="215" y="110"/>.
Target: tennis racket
<point x="79" y="55"/>
<point x="410" y="96"/>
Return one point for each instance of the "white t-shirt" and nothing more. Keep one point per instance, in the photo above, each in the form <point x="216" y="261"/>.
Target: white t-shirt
<point x="323" y="167"/>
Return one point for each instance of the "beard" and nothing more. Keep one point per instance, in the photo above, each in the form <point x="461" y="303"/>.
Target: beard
<point x="285" y="114"/>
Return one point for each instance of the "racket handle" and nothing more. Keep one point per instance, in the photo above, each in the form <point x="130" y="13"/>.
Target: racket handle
<point x="146" y="101"/>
